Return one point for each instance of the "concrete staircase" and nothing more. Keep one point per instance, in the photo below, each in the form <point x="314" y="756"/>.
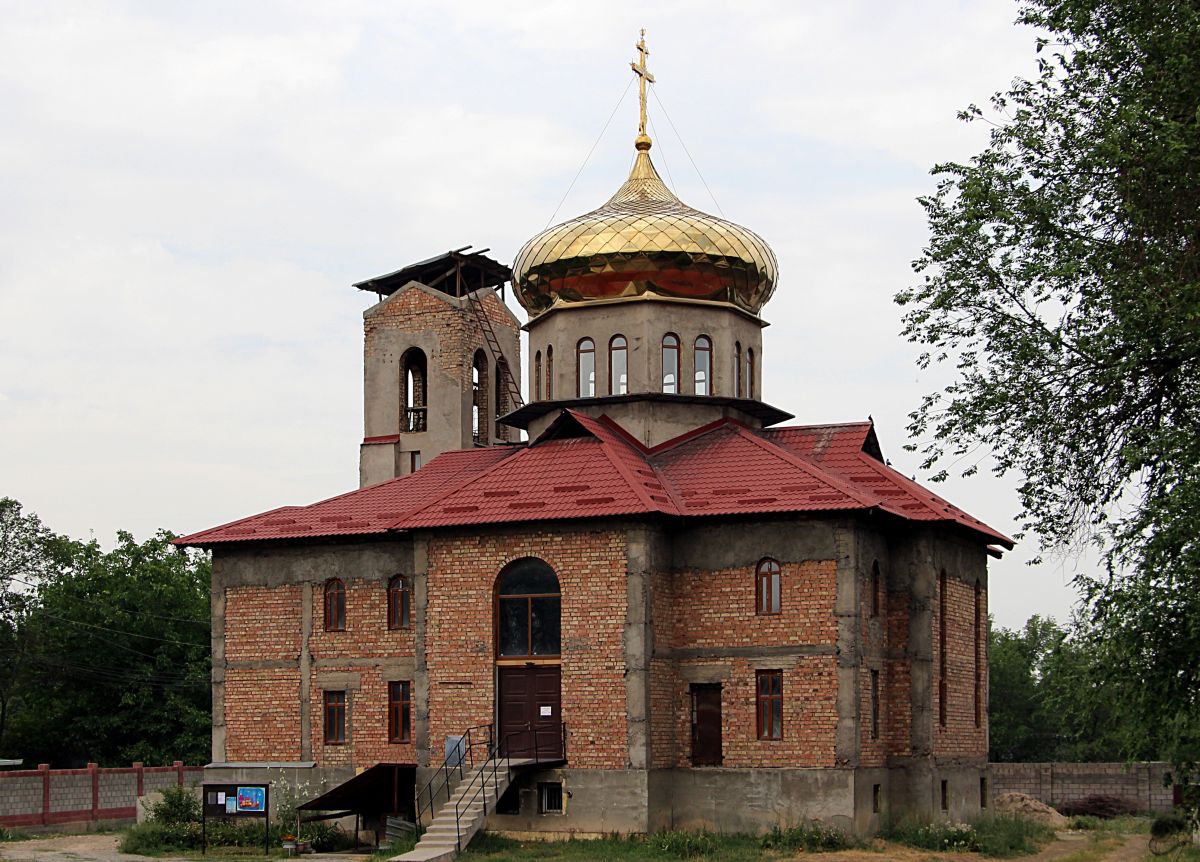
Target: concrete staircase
<point x="445" y="835"/>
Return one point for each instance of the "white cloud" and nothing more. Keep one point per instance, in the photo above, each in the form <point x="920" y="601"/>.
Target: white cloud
<point x="190" y="191"/>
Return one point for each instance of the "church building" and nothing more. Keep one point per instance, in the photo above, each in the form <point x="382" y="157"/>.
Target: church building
<point x="645" y="586"/>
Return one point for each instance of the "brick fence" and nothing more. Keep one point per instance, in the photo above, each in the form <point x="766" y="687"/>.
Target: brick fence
<point x="1141" y="784"/>
<point x="45" y="796"/>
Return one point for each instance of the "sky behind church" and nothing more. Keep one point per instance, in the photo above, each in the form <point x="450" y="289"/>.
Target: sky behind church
<point x="191" y="189"/>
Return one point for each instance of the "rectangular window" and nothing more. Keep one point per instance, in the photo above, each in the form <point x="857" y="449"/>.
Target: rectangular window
<point x="335" y="717"/>
<point x="876" y="797"/>
<point x="399" y="711"/>
<point x="874" y="704"/>
<point x="550" y="797"/>
<point x="983" y="791"/>
<point x="945" y="795"/>
<point x="769" y="685"/>
<point x="414" y="462"/>
<point x="768" y="587"/>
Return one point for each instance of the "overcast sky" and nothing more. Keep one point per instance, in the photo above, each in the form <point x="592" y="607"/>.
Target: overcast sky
<point x="189" y="190"/>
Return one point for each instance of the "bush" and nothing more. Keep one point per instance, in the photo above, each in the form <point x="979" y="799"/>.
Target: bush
<point x="1002" y="836"/>
<point x="924" y="835"/>
<point x="178" y="805"/>
<point x="813" y="837"/>
<point x="1105" y="807"/>
<point x="685" y="845"/>
<point x="154" y="837"/>
<point x="1168" y="824"/>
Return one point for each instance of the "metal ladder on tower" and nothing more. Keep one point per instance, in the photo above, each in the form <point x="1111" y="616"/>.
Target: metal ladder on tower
<point x="475" y="300"/>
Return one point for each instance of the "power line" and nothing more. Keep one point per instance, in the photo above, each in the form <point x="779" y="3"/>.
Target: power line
<point x="589" y="153"/>
<point x="146" y="614"/>
<point x="121" y="631"/>
<point x="687" y="152"/>
<point x="666" y="164"/>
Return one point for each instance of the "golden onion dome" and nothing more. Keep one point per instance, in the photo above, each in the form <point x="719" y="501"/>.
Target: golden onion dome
<point x="645" y="240"/>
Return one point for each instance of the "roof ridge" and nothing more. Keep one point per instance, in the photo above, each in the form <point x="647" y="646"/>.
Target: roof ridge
<point x="688" y="436"/>
<point x="638" y="488"/>
<point x="454" y="488"/>
<point x="812" y="469"/>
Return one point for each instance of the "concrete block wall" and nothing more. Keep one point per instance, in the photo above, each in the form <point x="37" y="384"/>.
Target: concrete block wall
<point x="48" y="797"/>
<point x="1141" y="784"/>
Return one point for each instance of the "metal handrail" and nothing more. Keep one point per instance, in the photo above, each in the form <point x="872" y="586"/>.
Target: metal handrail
<point x="465" y="750"/>
<point x="495" y="755"/>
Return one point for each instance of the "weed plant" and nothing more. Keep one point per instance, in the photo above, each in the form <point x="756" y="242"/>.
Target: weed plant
<point x="1002" y="836"/>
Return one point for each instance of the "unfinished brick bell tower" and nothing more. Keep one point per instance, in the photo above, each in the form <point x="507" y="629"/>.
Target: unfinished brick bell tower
<point x="441" y="363"/>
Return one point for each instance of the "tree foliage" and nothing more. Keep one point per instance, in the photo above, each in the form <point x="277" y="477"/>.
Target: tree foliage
<point x="109" y="654"/>
<point x="1062" y="283"/>
<point x="1051" y="699"/>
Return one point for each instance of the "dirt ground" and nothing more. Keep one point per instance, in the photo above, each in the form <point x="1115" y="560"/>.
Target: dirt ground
<point x="89" y="847"/>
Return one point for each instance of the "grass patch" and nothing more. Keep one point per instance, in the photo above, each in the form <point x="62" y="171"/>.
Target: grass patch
<point x="810" y="837"/>
<point x="403" y="844"/>
<point x="660" y="847"/>
<point x="1002" y="836"/>
<point x="1125" y="825"/>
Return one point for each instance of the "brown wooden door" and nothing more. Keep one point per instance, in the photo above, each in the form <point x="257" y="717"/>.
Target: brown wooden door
<point x="530" y="699"/>
<point x="706" y="724"/>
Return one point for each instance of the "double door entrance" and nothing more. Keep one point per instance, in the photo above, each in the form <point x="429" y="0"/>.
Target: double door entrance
<point x="530" y="702"/>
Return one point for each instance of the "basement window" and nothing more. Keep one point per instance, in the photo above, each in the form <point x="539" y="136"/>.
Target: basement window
<point x="945" y="795"/>
<point x="983" y="794"/>
<point x="550" y="797"/>
<point x="876" y="797"/>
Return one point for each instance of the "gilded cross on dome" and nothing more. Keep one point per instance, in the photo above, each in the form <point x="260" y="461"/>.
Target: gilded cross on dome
<point x="642" y="142"/>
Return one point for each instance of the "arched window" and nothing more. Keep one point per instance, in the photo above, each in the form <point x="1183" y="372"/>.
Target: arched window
<point x="501" y="387"/>
<point x="527" y="610"/>
<point x="335" y="605"/>
<point x="737" y="369"/>
<point x="703" y="365"/>
<point x="768" y="587"/>
<point x="549" y="373"/>
<point x="585" y="368"/>
<point x="479" y="397"/>
<point x="670" y="363"/>
<point x="413" y="391"/>
<point x="618" y="366"/>
<point x="749" y="372"/>
<point x="537" y="376"/>
<point x="399" y="600"/>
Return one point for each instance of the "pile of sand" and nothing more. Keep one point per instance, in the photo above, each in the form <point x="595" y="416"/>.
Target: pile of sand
<point x="1027" y="806"/>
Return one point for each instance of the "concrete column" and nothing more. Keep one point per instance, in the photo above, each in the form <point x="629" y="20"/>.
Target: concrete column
<point x="217" y="603"/>
<point x="420" y="604"/>
<point x="638" y="638"/>
<point x="305" y="662"/>
<point x="849" y="647"/>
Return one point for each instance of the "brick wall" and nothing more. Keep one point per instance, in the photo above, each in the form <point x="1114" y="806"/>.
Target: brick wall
<point x="960" y="736"/>
<point x="590" y="565"/>
<point x="716" y="608"/>
<point x="1141" y="784"/>
<point x="699" y="608"/>
<point x="46" y="797"/>
<point x="262" y="714"/>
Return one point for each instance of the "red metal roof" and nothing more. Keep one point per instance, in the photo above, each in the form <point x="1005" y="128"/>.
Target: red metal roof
<point x="587" y="468"/>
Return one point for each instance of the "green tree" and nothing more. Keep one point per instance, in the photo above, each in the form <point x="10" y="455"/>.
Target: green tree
<point x="1061" y="282"/>
<point x="29" y="555"/>
<point x="104" y="655"/>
